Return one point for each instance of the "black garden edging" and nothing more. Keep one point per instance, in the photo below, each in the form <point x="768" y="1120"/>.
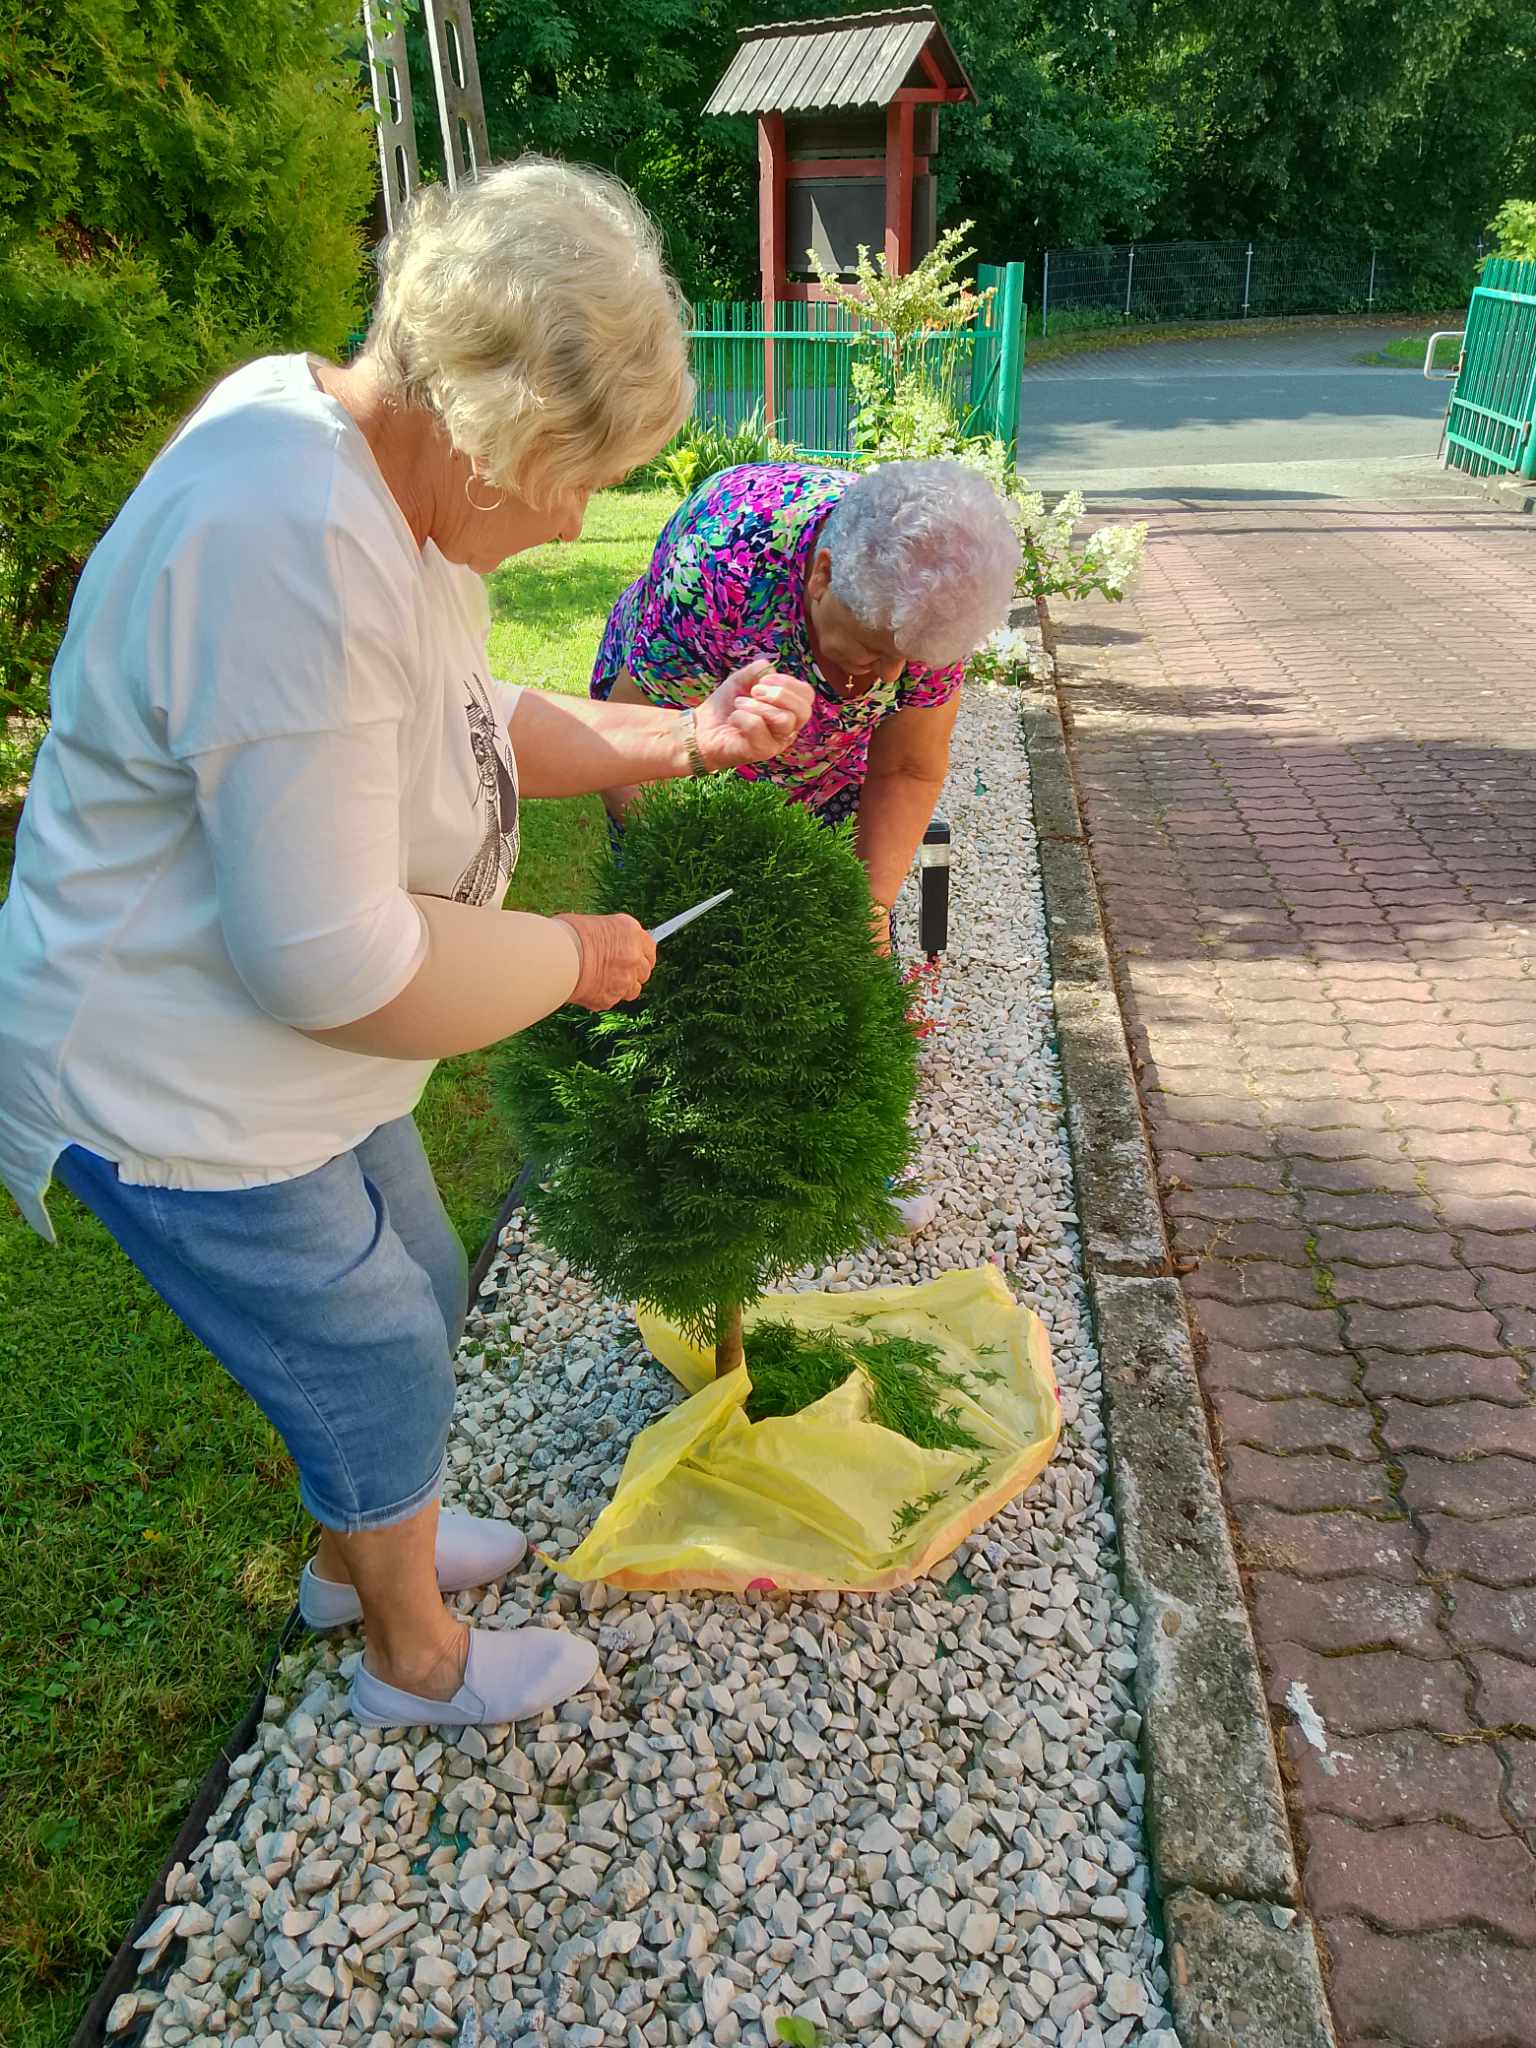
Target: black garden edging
<point x="122" y="1973"/>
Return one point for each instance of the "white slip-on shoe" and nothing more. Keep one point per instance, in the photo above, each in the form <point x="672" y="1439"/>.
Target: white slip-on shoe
<point x="509" y="1674"/>
<point x="472" y="1550"/>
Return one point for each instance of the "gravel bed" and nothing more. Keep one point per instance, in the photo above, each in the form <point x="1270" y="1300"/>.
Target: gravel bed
<point x="907" y="1819"/>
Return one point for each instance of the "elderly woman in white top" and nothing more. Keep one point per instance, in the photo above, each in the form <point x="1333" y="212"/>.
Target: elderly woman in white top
<point x="259" y="875"/>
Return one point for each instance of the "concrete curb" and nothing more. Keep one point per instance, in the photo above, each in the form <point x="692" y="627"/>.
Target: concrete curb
<point x="1509" y="493"/>
<point x="1243" y="1960"/>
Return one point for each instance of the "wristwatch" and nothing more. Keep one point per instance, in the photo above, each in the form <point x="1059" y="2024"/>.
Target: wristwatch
<point x="696" y="762"/>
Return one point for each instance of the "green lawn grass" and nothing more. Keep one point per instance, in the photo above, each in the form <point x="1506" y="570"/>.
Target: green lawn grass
<point x="149" y="1531"/>
<point x="1067" y="339"/>
<point x="1407" y="351"/>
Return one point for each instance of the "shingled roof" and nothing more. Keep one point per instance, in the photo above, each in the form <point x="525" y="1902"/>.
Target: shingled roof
<point x="852" y="60"/>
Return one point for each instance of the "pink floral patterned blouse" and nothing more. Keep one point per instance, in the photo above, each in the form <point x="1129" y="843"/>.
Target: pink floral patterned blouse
<point x="726" y="586"/>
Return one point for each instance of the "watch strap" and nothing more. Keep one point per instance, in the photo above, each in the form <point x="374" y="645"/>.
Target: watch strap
<point x="696" y="762"/>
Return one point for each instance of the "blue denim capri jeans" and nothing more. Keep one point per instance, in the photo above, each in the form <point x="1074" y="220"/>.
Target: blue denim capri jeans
<point x="336" y="1300"/>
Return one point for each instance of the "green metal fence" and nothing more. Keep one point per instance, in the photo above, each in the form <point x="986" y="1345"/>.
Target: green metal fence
<point x="998" y="360"/>
<point x="1490" y="428"/>
<point x="799" y="370"/>
<point x="1161" y="281"/>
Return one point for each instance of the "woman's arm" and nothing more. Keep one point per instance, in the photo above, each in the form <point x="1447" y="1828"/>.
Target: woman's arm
<point x="625" y="690"/>
<point x="908" y="761"/>
<point x="303" y="833"/>
<point x="572" y="746"/>
<point x="488" y="974"/>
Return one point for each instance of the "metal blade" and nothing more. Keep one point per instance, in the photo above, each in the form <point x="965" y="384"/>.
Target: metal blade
<point x="675" y="924"/>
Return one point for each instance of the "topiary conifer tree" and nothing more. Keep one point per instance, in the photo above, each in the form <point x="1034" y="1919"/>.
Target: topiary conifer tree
<point x="745" y="1116"/>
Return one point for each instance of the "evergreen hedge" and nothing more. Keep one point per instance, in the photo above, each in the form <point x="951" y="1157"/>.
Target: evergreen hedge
<point x="182" y="184"/>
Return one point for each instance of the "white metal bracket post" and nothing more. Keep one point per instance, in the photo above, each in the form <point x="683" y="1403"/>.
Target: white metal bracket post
<point x="389" y="74"/>
<point x="1431" y="356"/>
<point x="456" y="74"/>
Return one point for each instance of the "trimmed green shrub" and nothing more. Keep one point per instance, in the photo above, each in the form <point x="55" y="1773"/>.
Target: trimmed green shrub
<point x="181" y="188"/>
<point x="701" y="448"/>
<point x="745" y="1117"/>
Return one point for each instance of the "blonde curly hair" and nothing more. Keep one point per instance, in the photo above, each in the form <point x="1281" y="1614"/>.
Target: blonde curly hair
<point x="531" y="311"/>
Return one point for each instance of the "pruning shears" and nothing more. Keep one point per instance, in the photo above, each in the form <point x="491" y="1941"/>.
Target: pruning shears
<point x="659" y="932"/>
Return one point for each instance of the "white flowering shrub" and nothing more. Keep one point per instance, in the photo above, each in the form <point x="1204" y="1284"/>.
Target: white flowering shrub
<point x="1009" y="658"/>
<point x="906" y="411"/>
<point x="1052" y="563"/>
<point x="1055" y="565"/>
<point x="931" y="298"/>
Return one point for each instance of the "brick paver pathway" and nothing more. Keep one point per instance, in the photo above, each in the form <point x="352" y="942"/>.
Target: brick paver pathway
<point x="1307" y="753"/>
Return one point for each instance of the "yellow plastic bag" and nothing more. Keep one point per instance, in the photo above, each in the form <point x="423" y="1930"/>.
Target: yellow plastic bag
<point x="827" y="1499"/>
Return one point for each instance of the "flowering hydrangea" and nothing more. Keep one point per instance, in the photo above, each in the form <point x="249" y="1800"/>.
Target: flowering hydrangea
<point x="1010" y="656"/>
<point x="905" y="410"/>
<point x="1051" y="566"/>
<point x="1113" y="557"/>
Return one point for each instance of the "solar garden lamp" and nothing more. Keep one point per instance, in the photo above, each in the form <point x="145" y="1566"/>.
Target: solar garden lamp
<point x="933" y="889"/>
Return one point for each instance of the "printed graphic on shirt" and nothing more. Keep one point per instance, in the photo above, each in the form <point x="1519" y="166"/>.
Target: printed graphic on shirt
<point x="485" y="879"/>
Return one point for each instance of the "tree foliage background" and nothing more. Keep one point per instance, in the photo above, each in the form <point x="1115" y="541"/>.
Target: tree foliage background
<point x="182" y="186"/>
<point x="184" y="183"/>
<point x="1099" y="120"/>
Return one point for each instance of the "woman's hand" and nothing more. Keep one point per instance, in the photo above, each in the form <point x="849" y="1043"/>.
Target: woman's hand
<point x="617" y="956"/>
<point x="752" y="716"/>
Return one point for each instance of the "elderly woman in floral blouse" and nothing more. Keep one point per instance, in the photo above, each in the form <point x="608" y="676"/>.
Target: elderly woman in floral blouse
<point x="874" y="588"/>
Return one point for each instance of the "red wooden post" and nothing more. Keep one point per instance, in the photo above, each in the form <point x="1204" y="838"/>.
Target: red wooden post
<point x="770" y="238"/>
<point x="898" y="187"/>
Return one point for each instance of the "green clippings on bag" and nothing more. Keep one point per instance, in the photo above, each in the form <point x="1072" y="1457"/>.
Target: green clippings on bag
<point x="791" y="1369"/>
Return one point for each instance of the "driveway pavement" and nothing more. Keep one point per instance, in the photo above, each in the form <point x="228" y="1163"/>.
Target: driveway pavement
<point x="1294" y="412"/>
<point x="1306" y="750"/>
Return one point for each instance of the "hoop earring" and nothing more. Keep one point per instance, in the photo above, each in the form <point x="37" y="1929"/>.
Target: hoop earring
<point x="500" y="495"/>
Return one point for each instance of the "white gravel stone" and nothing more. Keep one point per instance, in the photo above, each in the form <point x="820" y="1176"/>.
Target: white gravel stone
<point x="160" y="1929"/>
<point x="978" y="1933"/>
<point x="914" y="1818"/>
<point x="879" y="1838"/>
<point x="1125" y="1995"/>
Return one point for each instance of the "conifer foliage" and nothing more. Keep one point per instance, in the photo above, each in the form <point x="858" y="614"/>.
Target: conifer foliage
<point x="745" y="1117"/>
<point x="182" y="186"/>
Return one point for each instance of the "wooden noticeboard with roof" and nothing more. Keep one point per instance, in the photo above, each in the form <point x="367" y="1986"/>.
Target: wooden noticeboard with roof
<point x="847" y="124"/>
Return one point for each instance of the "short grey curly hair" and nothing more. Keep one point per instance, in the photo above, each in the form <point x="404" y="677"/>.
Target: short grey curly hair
<point x="926" y="552"/>
<point x="532" y="312"/>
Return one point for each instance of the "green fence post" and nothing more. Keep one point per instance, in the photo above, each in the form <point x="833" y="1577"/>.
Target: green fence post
<point x="984" y="353"/>
<point x="1010" y="366"/>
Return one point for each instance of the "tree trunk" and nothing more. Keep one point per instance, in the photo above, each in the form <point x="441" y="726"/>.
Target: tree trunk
<point x="728" y="1352"/>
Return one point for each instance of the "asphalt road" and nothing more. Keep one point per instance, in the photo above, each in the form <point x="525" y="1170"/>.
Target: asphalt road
<point x="1291" y="412"/>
